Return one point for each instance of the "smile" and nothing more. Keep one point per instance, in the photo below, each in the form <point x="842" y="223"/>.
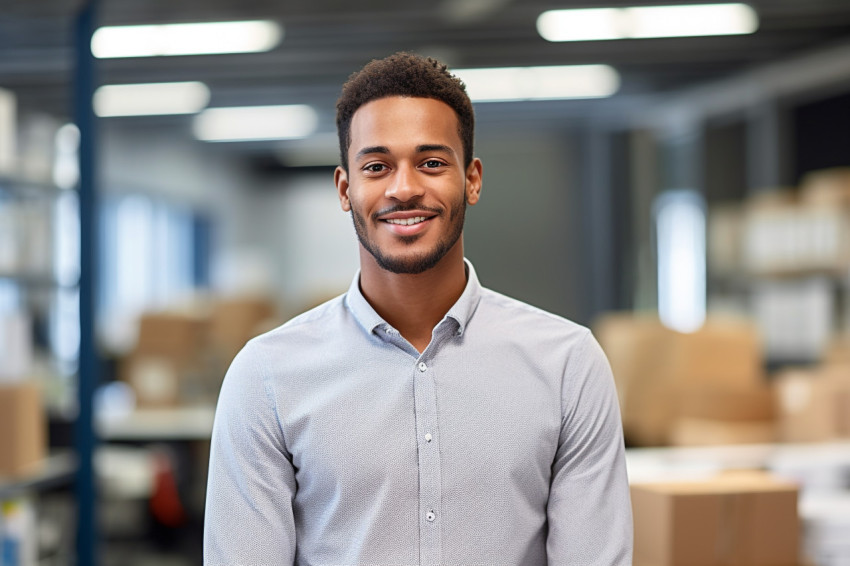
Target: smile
<point x="406" y="221"/>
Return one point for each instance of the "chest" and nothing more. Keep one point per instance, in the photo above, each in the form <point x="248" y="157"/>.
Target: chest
<point x="471" y="418"/>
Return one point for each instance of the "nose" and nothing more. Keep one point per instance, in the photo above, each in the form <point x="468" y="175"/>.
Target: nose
<point x="404" y="184"/>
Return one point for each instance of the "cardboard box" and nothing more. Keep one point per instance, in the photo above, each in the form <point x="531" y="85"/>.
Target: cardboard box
<point x="716" y="432"/>
<point x="172" y="335"/>
<point x="813" y="403"/>
<point x="155" y="380"/>
<point x="654" y="367"/>
<point x="734" y="520"/>
<point x="637" y="347"/>
<point x="236" y="320"/>
<point x="838" y="351"/>
<point x="717" y="415"/>
<point x="729" y="404"/>
<point x="166" y="382"/>
<point x="829" y="187"/>
<point x="724" y="352"/>
<point x="23" y="429"/>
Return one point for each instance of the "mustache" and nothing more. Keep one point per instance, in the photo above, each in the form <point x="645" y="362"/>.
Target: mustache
<point x="404" y="207"/>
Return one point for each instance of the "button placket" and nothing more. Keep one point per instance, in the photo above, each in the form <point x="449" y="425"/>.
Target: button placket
<point x="430" y="483"/>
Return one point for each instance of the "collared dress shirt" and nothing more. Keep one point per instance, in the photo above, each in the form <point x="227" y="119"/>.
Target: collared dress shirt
<point x="337" y="443"/>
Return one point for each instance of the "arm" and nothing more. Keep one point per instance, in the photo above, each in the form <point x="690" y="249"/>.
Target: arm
<point x="249" y="518"/>
<point x="589" y="510"/>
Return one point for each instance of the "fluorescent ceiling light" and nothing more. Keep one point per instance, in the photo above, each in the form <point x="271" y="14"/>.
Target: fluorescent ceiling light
<point x="647" y="21"/>
<point x="185" y="39"/>
<point x="539" y="83"/>
<point x="151" y="99"/>
<point x="255" y="123"/>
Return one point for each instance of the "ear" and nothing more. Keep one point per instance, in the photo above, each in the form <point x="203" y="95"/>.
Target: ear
<point x="341" y="182"/>
<point x="474" y="175"/>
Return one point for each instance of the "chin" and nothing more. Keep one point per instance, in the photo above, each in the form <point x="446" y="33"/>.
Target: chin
<point x="407" y="265"/>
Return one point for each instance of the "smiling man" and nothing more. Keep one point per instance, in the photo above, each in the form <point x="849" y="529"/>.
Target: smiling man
<point x="418" y="419"/>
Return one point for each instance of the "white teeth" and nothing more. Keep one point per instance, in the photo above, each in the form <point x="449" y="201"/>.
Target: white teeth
<point x="406" y="221"/>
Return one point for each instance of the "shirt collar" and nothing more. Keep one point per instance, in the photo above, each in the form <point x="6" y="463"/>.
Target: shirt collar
<point x="460" y="312"/>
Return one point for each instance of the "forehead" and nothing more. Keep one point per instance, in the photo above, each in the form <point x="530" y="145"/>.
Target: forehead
<point x="395" y="120"/>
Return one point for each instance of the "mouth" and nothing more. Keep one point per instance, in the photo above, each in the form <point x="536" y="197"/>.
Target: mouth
<point x="408" y="222"/>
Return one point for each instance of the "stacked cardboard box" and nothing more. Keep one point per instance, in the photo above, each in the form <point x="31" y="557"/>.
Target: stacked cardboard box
<point x="171" y="348"/>
<point x="828" y="187"/>
<point x="783" y="234"/>
<point x="743" y="519"/>
<point x="181" y="356"/>
<point x="725" y="415"/>
<point x="235" y="320"/>
<point x="705" y="387"/>
<point x="814" y="403"/>
<point x="23" y="429"/>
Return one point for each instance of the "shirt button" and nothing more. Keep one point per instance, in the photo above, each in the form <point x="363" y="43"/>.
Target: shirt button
<point x="428" y="437"/>
<point x="422" y="366"/>
<point x="430" y="516"/>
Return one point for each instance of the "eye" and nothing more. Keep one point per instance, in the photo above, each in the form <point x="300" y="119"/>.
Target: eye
<point x="433" y="164"/>
<point x="375" y="168"/>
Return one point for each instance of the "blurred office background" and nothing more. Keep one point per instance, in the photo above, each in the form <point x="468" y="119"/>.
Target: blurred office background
<point x="677" y="180"/>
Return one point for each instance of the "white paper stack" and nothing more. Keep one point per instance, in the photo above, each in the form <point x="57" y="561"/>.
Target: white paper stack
<point x="16" y="350"/>
<point x="826" y="527"/>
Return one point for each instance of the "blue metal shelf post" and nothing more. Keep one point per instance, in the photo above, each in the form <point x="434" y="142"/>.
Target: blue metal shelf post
<point x="89" y="369"/>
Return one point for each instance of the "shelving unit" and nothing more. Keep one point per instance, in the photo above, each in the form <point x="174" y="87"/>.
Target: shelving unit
<point x="57" y="470"/>
<point x="32" y="292"/>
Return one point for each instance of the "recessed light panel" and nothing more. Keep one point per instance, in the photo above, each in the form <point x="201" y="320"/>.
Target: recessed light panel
<point x="250" y="123"/>
<point x="150" y="99"/>
<point x="186" y="39"/>
<point x="539" y="83"/>
<point x="647" y="22"/>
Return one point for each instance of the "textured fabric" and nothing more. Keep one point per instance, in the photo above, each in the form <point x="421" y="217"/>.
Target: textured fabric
<point x="337" y="443"/>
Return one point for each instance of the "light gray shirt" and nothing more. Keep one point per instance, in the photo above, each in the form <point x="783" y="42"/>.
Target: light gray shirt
<point x="337" y="443"/>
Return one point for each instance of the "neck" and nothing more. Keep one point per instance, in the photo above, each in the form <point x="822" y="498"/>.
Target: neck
<point x="414" y="304"/>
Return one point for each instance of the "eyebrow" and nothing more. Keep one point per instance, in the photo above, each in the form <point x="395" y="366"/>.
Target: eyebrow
<point x="372" y="149"/>
<point x="434" y="147"/>
<point x="424" y="148"/>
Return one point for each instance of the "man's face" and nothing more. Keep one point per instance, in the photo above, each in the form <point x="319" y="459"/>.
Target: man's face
<point x="406" y="186"/>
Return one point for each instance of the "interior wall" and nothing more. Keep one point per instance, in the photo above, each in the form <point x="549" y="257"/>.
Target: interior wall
<point x="524" y="237"/>
<point x="164" y="161"/>
<point x="309" y="241"/>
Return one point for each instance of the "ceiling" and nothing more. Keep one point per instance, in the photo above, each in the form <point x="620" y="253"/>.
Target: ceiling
<point x="325" y="40"/>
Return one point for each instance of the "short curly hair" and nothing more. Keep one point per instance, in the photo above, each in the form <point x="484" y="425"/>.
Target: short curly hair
<point x="404" y="74"/>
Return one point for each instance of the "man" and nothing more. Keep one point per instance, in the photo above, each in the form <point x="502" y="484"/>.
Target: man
<point x="419" y="418"/>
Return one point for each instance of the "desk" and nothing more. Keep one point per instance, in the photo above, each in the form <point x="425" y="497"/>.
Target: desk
<point x="166" y="424"/>
<point x="819" y="464"/>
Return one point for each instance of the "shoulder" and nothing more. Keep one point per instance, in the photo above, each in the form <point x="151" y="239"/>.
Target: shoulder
<point x="304" y="327"/>
<point x="298" y="340"/>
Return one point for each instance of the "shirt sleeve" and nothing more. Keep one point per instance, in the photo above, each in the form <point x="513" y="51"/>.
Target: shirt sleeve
<point x="589" y="510"/>
<point x="251" y="484"/>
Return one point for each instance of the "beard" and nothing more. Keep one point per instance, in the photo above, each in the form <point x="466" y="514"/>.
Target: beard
<point x="412" y="263"/>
